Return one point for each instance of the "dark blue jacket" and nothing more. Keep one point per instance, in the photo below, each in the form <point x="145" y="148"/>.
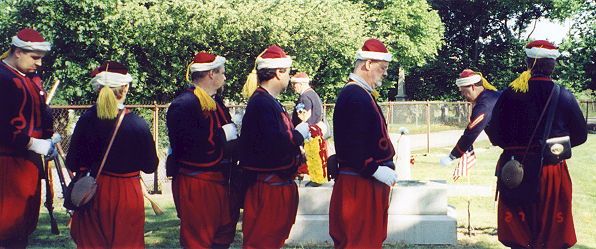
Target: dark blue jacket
<point x="196" y="137"/>
<point x="516" y="115"/>
<point x="479" y="119"/>
<point x="133" y="148"/>
<point x="362" y="141"/>
<point x="24" y="111"/>
<point x="268" y="141"/>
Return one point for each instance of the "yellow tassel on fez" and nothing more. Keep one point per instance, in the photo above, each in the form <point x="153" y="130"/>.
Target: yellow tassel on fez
<point x="375" y="94"/>
<point x="5" y="54"/>
<point x="252" y="81"/>
<point x="521" y="83"/>
<point x="207" y="103"/>
<point x="251" y="84"/>
<point x="107" y="105"/>
<point x="485" y="83"/>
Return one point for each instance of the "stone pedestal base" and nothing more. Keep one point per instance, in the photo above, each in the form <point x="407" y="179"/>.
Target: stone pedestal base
<point x="418" y="214"/>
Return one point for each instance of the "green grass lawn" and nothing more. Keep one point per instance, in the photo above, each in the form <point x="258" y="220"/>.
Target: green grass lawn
<point x="162" y="231"/>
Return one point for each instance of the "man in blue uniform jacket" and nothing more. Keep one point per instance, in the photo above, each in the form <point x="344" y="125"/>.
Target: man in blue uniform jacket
<point x="200" y="130"/>
<point x="360" y="200"/>
<point x="483" y="96"/>
<point x="25" y="128"/>
<point x="270" y="155"/>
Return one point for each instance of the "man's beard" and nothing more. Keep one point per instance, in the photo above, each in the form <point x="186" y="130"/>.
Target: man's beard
<point x="379" y="83"/>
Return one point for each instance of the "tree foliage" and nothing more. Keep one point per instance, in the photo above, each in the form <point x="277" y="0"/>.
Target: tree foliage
<point x="156" y="39"/>
<point x="577" y="67"/>
<point x="485" y="36"/>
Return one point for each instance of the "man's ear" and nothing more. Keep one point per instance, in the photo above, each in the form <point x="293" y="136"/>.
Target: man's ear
<point x="18" y="52"/>
<point x="278" y="74"/>
<point x="367" y="65"/>
<point x="211" y="74"/>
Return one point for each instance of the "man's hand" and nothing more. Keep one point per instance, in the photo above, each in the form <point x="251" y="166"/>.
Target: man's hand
<point x="53" y="153"/>
<point x="446" y="161"/>
<point x="386" y="175"/>
<point x="231" y="131"/>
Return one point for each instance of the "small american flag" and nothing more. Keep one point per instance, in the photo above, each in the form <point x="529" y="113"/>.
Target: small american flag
<point x="466" y="162"/>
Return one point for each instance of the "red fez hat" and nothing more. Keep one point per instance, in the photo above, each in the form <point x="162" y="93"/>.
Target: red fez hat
<point x="30" y="39"/>
<point x="542" y="49"/>
<point x="110" y="66"/>
<point x="110" y="73"/>
<point x="373" y="49"/>
<point x="204" y="61"/>
<point x="300" y="77"/>
<point x="468" y="77"/>
<point x="274" y="57"/>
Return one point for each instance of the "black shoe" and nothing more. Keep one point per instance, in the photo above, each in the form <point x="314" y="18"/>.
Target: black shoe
<point x="312" y="184"/>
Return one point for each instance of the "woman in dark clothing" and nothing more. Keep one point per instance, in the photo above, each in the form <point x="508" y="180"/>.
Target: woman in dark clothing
<point x="115" y="216"/>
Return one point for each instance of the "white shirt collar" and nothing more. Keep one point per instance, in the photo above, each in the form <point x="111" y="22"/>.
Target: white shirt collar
<point x="361" y="82"/>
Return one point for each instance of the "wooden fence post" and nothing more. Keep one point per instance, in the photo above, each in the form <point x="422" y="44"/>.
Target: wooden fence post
<point x="587" y="111"/>
<point x="428" y="127"/>
<point x="156" y="139"/>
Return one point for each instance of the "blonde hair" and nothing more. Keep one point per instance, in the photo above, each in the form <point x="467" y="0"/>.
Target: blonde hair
<point x="107" y="102"/>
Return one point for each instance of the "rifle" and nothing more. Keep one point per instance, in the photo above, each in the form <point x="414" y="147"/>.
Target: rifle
<point x="61" y="154"/>
<point x="49" y="203"/>
<point x="63" y="185"/>
<point x="58" y="165"/>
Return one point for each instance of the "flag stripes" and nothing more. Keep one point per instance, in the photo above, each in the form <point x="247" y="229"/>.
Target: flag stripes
<point x="466" y="162"/>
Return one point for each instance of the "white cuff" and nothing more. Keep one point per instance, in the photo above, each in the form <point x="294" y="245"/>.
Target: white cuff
<point x="303" y="129"/>
<point x="40" y="146"/>
<point x="230" y="131"/>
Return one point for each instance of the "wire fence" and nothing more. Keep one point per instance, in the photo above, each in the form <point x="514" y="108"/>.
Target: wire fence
<point x="419" y="117"/>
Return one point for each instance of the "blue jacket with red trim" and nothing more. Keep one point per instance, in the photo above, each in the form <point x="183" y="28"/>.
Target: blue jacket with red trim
<point x="268" y="141"/>
<point x="24" y="111"/>
<point x="516" y="115"/>
<point x="362" y="142"/>
<point x="481" y="115"/>
<point x="133" y="148"/>
<point x="196" y="137"/>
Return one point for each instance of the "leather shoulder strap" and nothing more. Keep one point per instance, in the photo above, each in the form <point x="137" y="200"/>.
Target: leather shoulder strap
<point x="551" y="111"/>
<point x="105" y="156"/>
<point x="546" y="107"/>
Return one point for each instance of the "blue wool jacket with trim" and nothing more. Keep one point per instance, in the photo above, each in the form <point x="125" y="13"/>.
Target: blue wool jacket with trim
<point x="362" y="142"/>
<point x="133" y="148"/>
<point x="196" y="137"/>
<point x="479" y="119"/>
<point x="268" y="141"/>
<point x="24" y="111"/>
<point x="515" y="116"/>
